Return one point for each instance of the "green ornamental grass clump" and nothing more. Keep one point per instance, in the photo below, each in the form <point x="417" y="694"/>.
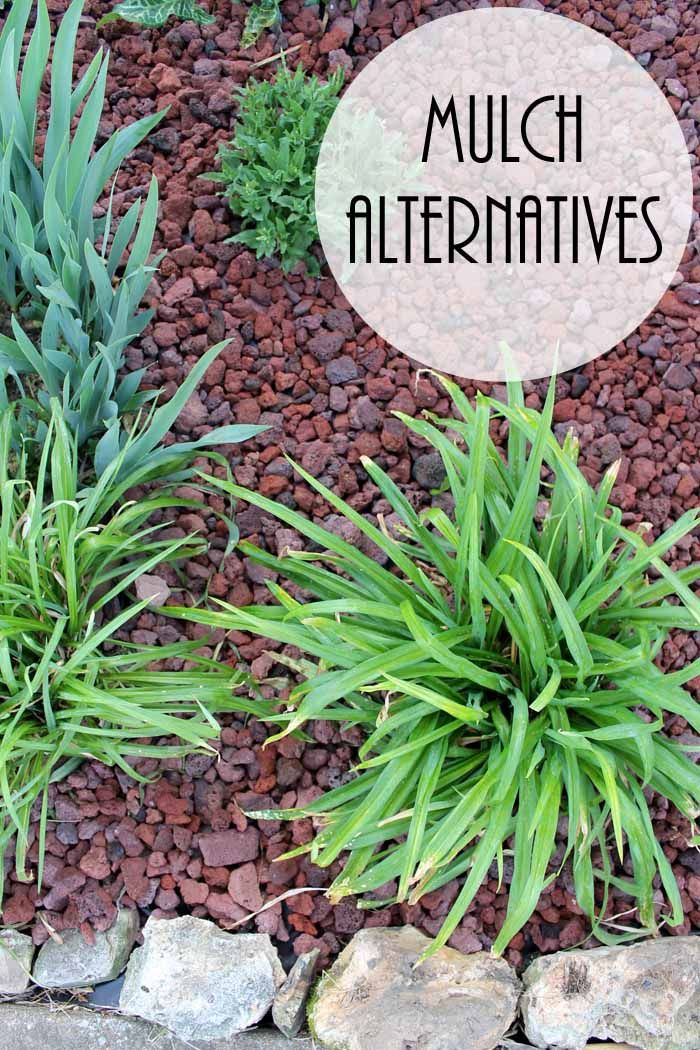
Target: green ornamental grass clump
<point x="77" y="437"/>
<point x="268" y="170"/>
<point x="501" y="664"/>
<point x="70" y="554"/>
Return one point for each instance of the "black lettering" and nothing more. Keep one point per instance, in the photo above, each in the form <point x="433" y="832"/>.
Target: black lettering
<point x="457" y="247"/>
<point x="366" y="216"/>
<point x="383" y="257"/>
<point x="598" y="236"/>
<point x="523" y="128"/>
<point x="507" y="208"/>
<point x="530" y="210"/>
<point x="442" y="118"/>
<point x="426" y="216"/>
<point x="652" y="229"/>
<point x="407" y="200"/>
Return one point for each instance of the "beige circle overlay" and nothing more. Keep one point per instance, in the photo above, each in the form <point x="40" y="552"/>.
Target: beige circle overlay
<point x="554" y="235"/>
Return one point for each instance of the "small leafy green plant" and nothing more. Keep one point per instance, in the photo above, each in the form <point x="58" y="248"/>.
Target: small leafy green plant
<point x="267" y="171"/>
<point x="501" y="662"/>
<point x="70" y="553"/>
<point x="154" y="13"/>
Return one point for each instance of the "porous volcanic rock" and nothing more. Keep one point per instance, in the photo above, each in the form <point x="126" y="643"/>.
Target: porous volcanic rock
<point x="646" y="994"/>
<point x="16" y="954"/>
<point x="200" y="982"/>
<point x="374" y="995"/>
<point x="78" y="964"/>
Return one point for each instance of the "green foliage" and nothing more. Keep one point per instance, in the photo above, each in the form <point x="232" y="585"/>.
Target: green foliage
<point x="498" y="663"/>
<point x="139" y="448"/>
<point x="69" y="557"/>
<point x="268" y="169"/>
<point x="154" y="13"/>
<point x="262" y="14"/>
<point x="78" y="279"/>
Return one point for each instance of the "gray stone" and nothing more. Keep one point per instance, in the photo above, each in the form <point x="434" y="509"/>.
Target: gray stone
<point x="199" y="981"/>
<point x="689" y="292"/>
<point x="341" y="370"/>
<point x="76" y="964"/>
<point x="30" y="1026"/>
<point x="16" y="954"/>
<point x="665" y="25"/>
<point x="652" y="346"/>
<point x="152" y="588"/>
<point x="374" y="997"/>
<point x="289" y="1007"/>
<point x="674" y="86"/>
<point x="645" y="994"/>
<point x="678" y="377"/>
<point x="429" y="470"/>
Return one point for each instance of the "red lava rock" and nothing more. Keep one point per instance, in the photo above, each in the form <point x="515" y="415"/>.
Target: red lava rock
<point x="177" y="208"/>
<point x="465" y="941"/>
<point x="182" y="289"/>
<point x="18" y="909"/>
<point x="95" y="863"/>
<point x="202" y="228"/>
<point x="141" y="889"/>
<point x="222" y="906"/>
<point x="165" y="334"/>
<point x="66" y="809"/>
<point x="229" y="847"/>
<point x="60" y="893"/>
<point x="337" y="36"/>
<point x="650" y="41"/>
<point x="194" y="892"/>
<point x="193" y="414"/>
<point x="244" y="888"/>
<point x="167" y="900"/>
<point x="165" y="78"/>
<point x="326" y="345"/>
<point x="204" y="277"/>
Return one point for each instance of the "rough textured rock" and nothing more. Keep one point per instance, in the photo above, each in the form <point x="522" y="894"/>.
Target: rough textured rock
<point x="373" y="997"/>
<point x="646" y="994"/>
<point x="289" y="1007"/>
<point x="200" y="982"/>
<point x="16" y="954"/>
<point x="152" y="588"/>
<point x="76" y="964"/>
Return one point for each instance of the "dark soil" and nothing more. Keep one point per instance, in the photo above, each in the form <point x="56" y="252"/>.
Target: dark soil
<point x="301" y="361"/>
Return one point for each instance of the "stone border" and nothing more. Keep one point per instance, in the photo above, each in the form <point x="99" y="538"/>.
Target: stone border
<point x="25" y="1026"/>
<point x="193" y="986"/>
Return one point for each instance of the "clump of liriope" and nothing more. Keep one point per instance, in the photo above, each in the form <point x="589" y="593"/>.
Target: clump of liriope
<point x="503" y="669"/>
<point x="70" y="554"/>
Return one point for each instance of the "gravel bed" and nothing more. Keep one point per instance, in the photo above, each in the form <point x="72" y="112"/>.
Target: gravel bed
<point x="301" y="361"/>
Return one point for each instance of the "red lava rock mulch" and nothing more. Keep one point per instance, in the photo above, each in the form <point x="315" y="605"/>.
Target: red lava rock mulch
<point x="301" y="361"/>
